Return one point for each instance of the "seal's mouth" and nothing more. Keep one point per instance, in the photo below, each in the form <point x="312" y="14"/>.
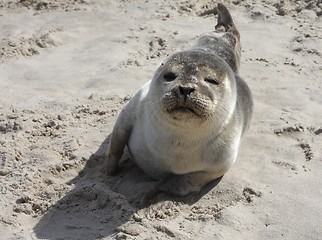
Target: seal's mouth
<point x="194" y="107"/>
<point x="181" y="109"/>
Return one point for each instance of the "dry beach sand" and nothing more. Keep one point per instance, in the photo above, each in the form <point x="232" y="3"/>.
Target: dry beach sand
<point x="68" y="67"/>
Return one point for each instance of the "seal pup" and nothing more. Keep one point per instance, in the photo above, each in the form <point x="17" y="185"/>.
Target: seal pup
<point x="185" y="125"/>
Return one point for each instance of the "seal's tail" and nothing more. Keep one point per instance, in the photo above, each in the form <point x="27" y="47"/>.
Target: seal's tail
<point x="225" y="22"/>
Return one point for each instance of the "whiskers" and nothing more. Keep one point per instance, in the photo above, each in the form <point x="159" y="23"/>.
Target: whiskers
<point x="200" y="109"/>
<point x="217" y="112"/>
<point x="219" y="116"/>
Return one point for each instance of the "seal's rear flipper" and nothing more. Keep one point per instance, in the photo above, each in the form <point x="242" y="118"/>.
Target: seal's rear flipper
<point x="225" y="22"/>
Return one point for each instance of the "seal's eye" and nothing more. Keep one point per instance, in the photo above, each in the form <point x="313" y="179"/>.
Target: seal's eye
<point x="170" y="76"/>
<point x="212" y="81"/>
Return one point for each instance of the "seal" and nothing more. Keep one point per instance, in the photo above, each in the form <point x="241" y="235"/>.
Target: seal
<point x="185" y="125"/>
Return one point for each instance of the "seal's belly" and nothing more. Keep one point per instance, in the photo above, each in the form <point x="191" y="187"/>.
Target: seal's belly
<point x="158" y="153"/>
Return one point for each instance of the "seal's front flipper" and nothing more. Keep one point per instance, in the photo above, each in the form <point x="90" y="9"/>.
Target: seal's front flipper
<point x="119" y="139"/>
<point x="182" y="185"/>
<point x="225" y="22"/>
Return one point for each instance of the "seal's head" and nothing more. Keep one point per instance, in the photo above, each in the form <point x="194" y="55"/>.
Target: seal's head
<point x="194" y="86"/>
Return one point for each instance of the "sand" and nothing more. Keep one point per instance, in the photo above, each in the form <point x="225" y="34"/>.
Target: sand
<point x="68" y="67"/>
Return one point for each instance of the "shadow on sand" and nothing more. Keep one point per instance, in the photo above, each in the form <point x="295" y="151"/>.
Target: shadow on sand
<point x="99" y="204"/>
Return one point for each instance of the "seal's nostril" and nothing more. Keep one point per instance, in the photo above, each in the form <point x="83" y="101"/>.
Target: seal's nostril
<point x="186" y="91"/>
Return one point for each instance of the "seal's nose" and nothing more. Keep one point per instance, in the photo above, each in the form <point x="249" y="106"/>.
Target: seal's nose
<point x="186" y="91"/>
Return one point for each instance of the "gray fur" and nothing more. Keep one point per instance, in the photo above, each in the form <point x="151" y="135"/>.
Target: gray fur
<point x="184" y="127"/>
